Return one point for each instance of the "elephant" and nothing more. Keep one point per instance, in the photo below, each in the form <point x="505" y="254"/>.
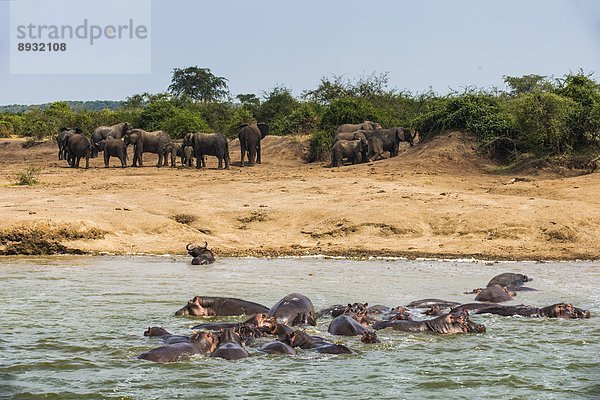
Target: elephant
<point x="170" y="153"/>
<point x="61" y="140"/>
<point x="354" y="150"/>
<point x="349" y="136"/>
<point x="250" y="137"/>
<point x="79" y="146"/>
<point x="186" y="154"/>
<point x="146" y="142"/>
<point x="376" y="151"/>
<point x="365" y="126"/>
<point x="113" y="148"/>
<point x="115" y="131"/>
<point x="203" y="342"/>
<point x="391" y="138"/>
<point x="210" y="144"/>
<point x="230" y="346"/>
<point x="202" y="255"/>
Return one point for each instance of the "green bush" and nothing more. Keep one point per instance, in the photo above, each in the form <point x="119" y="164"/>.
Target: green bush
<point x="348" y="110"/>
<point x="6" y="129"/>
<point x="302" y="120"/>
<point x="320" y="145"/>
<point x="543" y="123"/>
<point x="183" y="121"/>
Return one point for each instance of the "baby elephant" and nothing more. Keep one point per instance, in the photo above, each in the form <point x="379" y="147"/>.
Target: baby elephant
<point x="202" y="255"/>
<point x="353" y="150"/>
<point x="113" y="148"/>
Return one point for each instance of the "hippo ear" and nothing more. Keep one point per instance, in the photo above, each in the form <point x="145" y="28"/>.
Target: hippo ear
<point x="366" y="305"/>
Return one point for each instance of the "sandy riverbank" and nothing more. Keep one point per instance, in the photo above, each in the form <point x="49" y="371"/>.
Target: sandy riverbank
<point x="437" y="199"/>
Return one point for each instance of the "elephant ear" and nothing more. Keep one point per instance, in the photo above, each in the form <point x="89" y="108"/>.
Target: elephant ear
<point x="264" y="129"/>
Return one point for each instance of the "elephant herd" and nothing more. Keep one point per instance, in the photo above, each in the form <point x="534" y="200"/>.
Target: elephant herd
<point x="114" y="140"/>
<point x="367" y="142"/>
<point x="272" y="330"/>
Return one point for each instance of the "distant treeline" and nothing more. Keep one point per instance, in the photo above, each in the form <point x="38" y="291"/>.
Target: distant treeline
<point x="534" y="114"/>
<point x="93" y="105"/>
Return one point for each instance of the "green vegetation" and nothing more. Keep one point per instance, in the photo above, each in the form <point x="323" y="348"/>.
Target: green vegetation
<point x="27" y="177"/>
<point x="537" y="115"/>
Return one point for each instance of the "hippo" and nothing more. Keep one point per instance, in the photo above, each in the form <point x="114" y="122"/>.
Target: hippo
<point x="259" y="320"/>
<point x="230" y="346"/>
<point x="495" y="294"/>
<point x="426" y="303"/>
<point x="348" y="324"/>
<point x="294" y="309"/>
<point x="320" y="345"/>
<point x="202" y="342"/>
<point x="164" y="335"/>
<point x="473" y="306"/>
<point x="205" y="306"/>
<point x="277" y="347"/>
<point x="202" y="255"/>
<point x="509" y="280"/>
<point x="559" y="310"/>
<point x="434" y="311"/>
<point x="333" y="311"/>
<point x="453" y="322"/>
<point x="370" y="337"/>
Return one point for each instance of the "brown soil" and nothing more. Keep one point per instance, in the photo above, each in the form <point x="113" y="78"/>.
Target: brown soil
<point x="437" y="199"/>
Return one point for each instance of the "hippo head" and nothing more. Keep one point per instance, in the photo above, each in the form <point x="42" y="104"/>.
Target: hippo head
<point x="454" y="322"/>
<point x="564" y="310"/>
<point x="434" y="311"/>
<point x="156" y="331"/>
<point x="370" y="337"/>
<point x="193" y="307"/>
<point x="356" y="308"/>
<point x="207" y="338"/>
<point x="261" y="320"/>
<point x="230" y="335"/>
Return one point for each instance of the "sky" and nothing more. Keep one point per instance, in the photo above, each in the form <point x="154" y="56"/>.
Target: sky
<point x="256" y="45"/>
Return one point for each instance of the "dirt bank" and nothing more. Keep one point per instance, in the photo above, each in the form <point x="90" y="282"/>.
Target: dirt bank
<point x="436" y="199"/>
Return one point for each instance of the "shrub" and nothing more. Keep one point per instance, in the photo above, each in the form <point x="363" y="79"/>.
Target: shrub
<point x="27" y="177"/>
<point x="320" y="145"/>
<point x="348" y="110"/>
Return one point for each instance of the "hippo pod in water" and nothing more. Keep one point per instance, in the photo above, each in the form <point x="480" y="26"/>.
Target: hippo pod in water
<point x="202" y="255"/>
<point x="199" y="343"/>
<point x="453" y="322"/>
<point x="205" y="306"/>
<point x="559" y="310"/>
<point x="294" y="309"/>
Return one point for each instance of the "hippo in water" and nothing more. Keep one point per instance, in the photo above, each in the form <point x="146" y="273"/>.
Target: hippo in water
<point x="426" y="303"/>
<point x="202" y="255"/>
<point x="205" y="306"/>
<point x="164" y="335"/>
<point x="348" y="324"/>
<point x="511" y="281"/>
<point x="277" y="347"/>
<point x="203" y="342"/>
<point x="230" y="346"/>
<point x="494" y="294"/>
<point x="559" y="310"/>
<point x="260" y="321"/>
<point x="370" y="337"/>
<point x="294" y="309"/>
<point x="317" y="343"/>
<point x="453" y="322"/>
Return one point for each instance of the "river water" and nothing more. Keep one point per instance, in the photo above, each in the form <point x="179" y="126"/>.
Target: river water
<point x="73" y="326"/>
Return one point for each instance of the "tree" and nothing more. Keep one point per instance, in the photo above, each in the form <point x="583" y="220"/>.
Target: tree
<point x="248" y="99"/>
<point x="198" y="84"/>
<point x="527" y="84"/>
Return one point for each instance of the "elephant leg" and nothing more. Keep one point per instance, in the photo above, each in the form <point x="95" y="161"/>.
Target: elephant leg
<point x="243" y="153"/>
<point x="252" y="155"/>
<point x="226" y="161"/>
<point x="106" y="157"/>
<point x="160" y="159"/>
<point x="258" y="153"/>
<point x="220" y="163"/>
<point x="77" y="160"/>
<point x="87" y="161"/>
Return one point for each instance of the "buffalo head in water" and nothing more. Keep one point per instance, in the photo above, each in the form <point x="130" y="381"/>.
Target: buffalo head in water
<point x="202" y="255"/>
